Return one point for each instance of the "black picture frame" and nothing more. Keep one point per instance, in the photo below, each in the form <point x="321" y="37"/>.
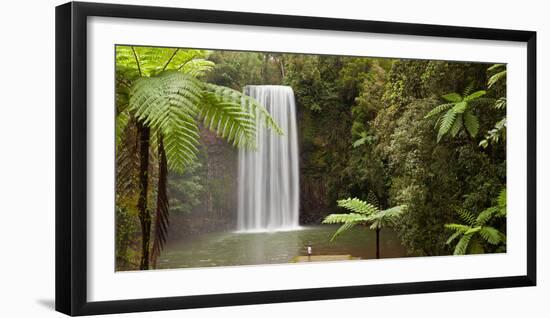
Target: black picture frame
<point x="71" y="157"/>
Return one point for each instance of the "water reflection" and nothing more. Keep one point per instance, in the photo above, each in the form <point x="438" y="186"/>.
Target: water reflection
<point x="226" y="249"/>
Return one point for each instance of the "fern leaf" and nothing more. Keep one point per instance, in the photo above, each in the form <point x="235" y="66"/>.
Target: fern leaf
<point x="452" y="97"/>
<point x="491" y="235"/>
<point x="457" y="227"/>
<point x="438" y="109"/>
<point x="453" y="237"/>
<point x="459" y="108"/>
<point x="486" y="215"/>
<point x="471" y="123"/>
<point x="446" y="123"/>
<point x="475" y="246"/>
<point x="345" y="218"/>
<point x="357" y="206"/>
<point x="462" y="245"/>
<point x="475" y="95"/>
<point x="500" y="103"/>
<point x="455" y="129"/>
<point x="495" y="78"/>
<point x="466" y="216"/>
<point x="248" y="103"/>
<point x="343" y="228"/>
<point x="495" y="66"/>
<point x="372" y="199"/>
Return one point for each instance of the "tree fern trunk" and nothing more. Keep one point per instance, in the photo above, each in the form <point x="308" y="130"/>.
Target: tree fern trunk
<point x="162" y="212"/>
<point x="377" y="242"/>
<point x="144" y="215"/>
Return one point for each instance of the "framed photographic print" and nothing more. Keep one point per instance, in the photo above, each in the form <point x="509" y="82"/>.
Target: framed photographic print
<point x="209" y="158"/>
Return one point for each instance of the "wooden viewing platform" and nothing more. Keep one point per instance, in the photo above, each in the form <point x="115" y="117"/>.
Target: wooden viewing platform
<point x="322" y="258"/>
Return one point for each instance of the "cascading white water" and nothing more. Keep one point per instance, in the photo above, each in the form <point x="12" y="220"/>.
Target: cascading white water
<point x="268" y="198"/>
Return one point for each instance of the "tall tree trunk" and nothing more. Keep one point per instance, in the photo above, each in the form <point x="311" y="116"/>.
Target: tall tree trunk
<point x="143" y="212"/>
<point x="162" y="211"/>
<point x="377" y="242"/>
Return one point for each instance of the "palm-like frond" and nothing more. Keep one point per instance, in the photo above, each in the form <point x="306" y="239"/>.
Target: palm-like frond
<point x="495" y="78"/>
<point x="358" y="206"/>
<point x="169" y="104"/>
<point x="474" y="95"/>
<point x="343" y="228"/>
<point x="458" y="113"/>
<point x="462" y="245"/>
<point x="345" y="218"/>
<point x="439" y="109"/>
<point x="249" y="104"/>
<point x="386" y="217"/>
<point x="446" y="123"/>
<point x="477" y="228"/>
<point x="452" y="97"/>
<point x="466" y="216"/>
<point x="471" y="123"/>
<point x="228" y="119"/>
<point x="491" y="235"/>
<point x="373" y="199"/>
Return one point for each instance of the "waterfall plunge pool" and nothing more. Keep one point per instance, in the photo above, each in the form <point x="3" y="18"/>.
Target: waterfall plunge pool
<point x="234" y="248"/>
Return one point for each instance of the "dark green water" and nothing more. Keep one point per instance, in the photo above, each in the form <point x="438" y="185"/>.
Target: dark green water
<point x="227" y="249"/>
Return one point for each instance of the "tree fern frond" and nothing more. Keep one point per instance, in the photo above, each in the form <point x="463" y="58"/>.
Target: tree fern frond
<point x="466" y="216"/>
<point x="452" y="97"/>
<point x="462" y="245"/>
<point x="475" y="246"/>
<point x="345" y="218"/>
<point x="357" y="206"/>
<point x="495" y="78"/>
<point x="248" y="103"/>
<point x="343" y="228"/>
<point x="438" y="109"/>
<point x="460" y="107"/>
<point x="468" y="89"/>
<point x="229" y="120"/>
<point x="453" y="237"/>
<point x="197" y="67"/>
<point x="471" y="123"/>
<point x="446" y="123"/>
<point x="474" y="95"/>
<point x="372" y="199"/>
<point x="491" y="235"/>
<point x="457" y="126"/>
<point x="500" y="103"/>
<point x="495" y="66"/>
<point x="386" y="217"/>
<point x="457" y="227"/>
<point x="486" y="215"/>
<point x="169" y="103"/>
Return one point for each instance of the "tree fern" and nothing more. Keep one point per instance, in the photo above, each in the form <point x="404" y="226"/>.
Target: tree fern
<point x="477" y="229"/>
<point x="366" y="214"/>
<point x="458" y="114"/>
<point x="161" y="88"/>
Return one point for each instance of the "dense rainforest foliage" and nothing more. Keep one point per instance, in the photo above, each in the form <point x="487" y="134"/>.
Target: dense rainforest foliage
<point x="425" y="135"/>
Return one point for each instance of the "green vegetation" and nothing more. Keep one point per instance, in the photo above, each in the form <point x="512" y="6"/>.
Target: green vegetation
<point x="476" y="234"/>
<point x="363" y="213"/>
<point x="425" y="135"/>
<point x="165" y="98"/>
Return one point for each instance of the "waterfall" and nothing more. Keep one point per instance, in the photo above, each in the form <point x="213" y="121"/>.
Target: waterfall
<point x="268" y="194"/>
